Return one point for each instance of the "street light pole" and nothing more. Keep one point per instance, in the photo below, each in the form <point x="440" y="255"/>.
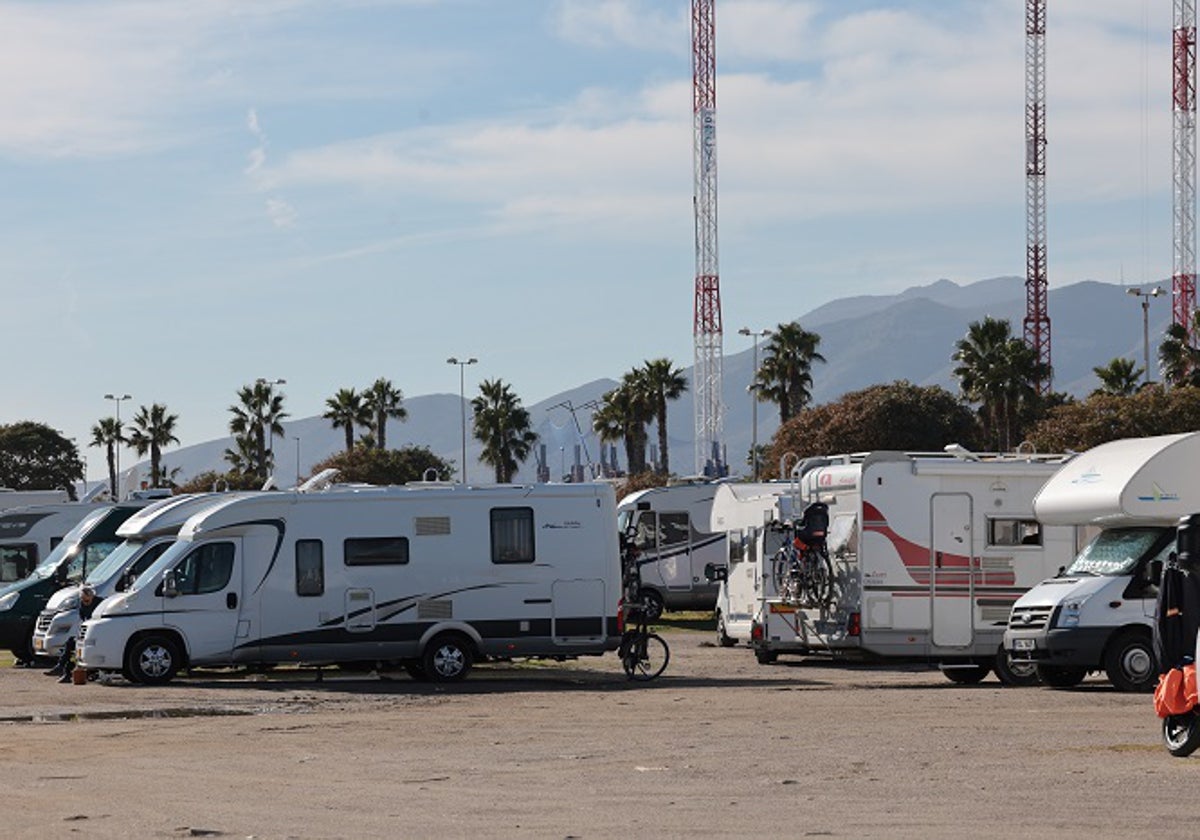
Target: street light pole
<point x="462" y="400"/>
<point x="756" y="334"/>
<point x="118" y="400"/>
<point x="1145" y="296"/>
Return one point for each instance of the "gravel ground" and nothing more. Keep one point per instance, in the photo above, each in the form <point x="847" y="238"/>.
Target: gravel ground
<point x="719" y="746"/>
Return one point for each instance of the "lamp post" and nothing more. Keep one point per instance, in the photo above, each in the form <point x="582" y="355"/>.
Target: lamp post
<point x="120" y="432"/>
<point x="756" y="334"/>
<point x="462" y="399"/>
<point x="1145" y="296"/>
<point x="271" y="431"/>
<point x="297" y="461"/>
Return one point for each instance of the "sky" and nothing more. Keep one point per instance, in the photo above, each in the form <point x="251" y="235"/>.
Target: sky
<point x="199" y="194"/>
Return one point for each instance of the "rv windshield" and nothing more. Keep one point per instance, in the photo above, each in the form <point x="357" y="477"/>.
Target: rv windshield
<point x="114" y="561"/>
<point x="165" y="561"/>
<point x="1115" y="551"/>
<point x="69" y="545"/>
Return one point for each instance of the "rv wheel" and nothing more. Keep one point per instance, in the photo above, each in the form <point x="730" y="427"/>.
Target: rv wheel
<point x="1181" y="734"/>
<point x="966" y="674"/>
<point x="723" y="637"/>
<point x="1129" y="662"/>
<point x="1061" y="676"/>
<point x="447" y="658"/>
<point x="765" y="657"/>
<point x="652" y="603"/>
<point x="153" y="660"/>
<point x="1015" y="673"/>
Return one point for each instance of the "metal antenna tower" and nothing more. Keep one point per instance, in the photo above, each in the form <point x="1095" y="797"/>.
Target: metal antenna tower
<point x="1037" y="318"/>
<point x="1183" y="281"/>
<point x="706" y="327"/>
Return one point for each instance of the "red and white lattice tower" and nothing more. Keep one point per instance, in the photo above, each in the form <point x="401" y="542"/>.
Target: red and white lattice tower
<point x="1037" y="318"/>
<point x="706" y="328"/>
<point x="1183" y="281"/>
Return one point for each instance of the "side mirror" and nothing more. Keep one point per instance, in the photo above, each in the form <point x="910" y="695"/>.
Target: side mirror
<point x="1154" y="571"/>
<point x="714" y="573"/>
<point x="170" y="590"/>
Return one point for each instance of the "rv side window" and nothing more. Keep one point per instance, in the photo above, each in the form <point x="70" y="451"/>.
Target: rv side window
<point x="737" y="546"/>
<point x="310" y="568"/>
<point x="512" y="535"/>
<point x="16" y="562"/>
<point x="376" y="551"/>
<point x="207" y="569"/>
<point x="674" y="528"/>
<point x="1014" y="532"/>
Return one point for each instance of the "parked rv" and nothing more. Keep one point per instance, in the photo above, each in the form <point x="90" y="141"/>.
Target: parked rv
<point x="928" y="551"/>
<point x="10" y="498"/>
<point x="145" y="536"/>
<point x="1098" y="613"/>
<point x="88" y="533"/>
<point x="675" y="540"/>
<point x="431" y="577"/>
<point x="28" y="534"/>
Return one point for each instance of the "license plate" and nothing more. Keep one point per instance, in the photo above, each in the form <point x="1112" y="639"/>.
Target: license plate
<point x="1023" y="644"/>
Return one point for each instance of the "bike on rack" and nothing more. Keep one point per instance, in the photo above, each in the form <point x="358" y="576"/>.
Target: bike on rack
<point x="802" y="571"/>
<point x="644" y="655"/>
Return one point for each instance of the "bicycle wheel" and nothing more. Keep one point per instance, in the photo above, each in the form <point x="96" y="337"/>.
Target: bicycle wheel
<point x="820" y="579"/>
<point x="646" y="658"/>
<point x="781" y="571"/>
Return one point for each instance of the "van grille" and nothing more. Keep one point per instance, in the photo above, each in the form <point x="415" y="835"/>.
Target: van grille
<point x="1030" y="618"/>
<point x="43" y="622"/>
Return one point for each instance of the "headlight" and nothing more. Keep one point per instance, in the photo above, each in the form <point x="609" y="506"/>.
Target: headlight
<point x="7" y="602"/>
<point x="70" y="604"/>
<point x="1069" y="615"/>
<point x="111" y="605"/>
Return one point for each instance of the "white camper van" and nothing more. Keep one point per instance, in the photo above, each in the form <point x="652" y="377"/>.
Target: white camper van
<point x="1098" y="613"/>
<point x="675" y="541"/>
<point x="28" y="534"/>
<point x="431" y="577"/>
<point x="146" y="535"/>
<point x="928" y="552"/>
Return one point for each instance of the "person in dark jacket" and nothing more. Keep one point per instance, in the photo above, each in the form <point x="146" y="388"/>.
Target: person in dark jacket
<point x="88" y="601"/>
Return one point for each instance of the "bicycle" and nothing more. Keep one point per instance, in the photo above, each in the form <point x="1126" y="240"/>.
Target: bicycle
<point x="644" y="655"/>
<point x="802" y="571"/>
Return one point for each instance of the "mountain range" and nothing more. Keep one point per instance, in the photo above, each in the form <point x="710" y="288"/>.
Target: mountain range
<point x="866" y="340"/>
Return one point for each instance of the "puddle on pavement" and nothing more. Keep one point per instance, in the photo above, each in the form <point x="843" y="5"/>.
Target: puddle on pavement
<point x="124" y="714"/>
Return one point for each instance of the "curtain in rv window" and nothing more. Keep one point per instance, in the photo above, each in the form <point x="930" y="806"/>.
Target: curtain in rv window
<point x="512" y="535"/>
<point x="376" y="551"/>
<point x="310" y="568"/>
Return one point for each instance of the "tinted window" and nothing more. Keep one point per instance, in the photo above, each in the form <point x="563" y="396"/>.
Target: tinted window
<point x="512" y="535"/>
<point x="1014" y="532"/>
<point x="376" y="551"/>
<point x="16" y="562"/>
<point x="310" y="568"/>
<point x="207" y="569"/>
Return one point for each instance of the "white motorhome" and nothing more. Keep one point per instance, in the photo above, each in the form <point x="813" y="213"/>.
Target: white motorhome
<point x="1098" y="613"/>
<point x="929" y="551"/>
<point x="27" y="535"/>
<point x="431" y="577"/>
<point x="676" y="541"/>
<point x="146" y="535"/>
<point x="10" y="498"/>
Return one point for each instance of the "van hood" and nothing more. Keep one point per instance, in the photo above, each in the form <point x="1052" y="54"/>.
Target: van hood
<point x="1054" y="591"/>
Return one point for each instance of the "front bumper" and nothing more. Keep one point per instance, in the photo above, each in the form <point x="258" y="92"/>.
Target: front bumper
<point x="1076" y="646"/>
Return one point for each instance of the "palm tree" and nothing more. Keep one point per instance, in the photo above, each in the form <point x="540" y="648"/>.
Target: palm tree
<point x="153" y="429"/>
<point x="259" y="414"/>
<point x="384" y="400"/>
<point x="502" y="426"/>
<point x="1000" y="373"/>
<point x="664" y="382"/>
<point x="346" y="410"/>
<point x="109" y="434"/>
<point x="1178" y="357"/>
<point x="1120" y="377"/>
<point x="623" y="415"/>
<point x="785" y="375"/>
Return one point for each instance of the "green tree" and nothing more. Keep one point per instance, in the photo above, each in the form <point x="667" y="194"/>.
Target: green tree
<point x="1152" y="410"/>
<point x="259" y="413"/>
<point x="897" y="416"/>
<point x="152" y="430"/>
<point x="1178" y="357"/>
<point x="384" y="400"/>
<point x="108" y="433"/>
<point x="664" y="382"/>
<point x="1000" y="373"/>
<point x="785" y="375"/>
<point x="387" y="466"/>
<point x="1120" y="376"/>
<point x="346" y="411"/>
<point x="502" y="425"/>
<point x="623" y="414"/>
<point x="34" y="456"/>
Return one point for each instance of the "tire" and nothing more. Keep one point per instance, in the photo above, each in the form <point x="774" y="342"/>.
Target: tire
<point x="153" y="660"/>
<point x="723" y="638"/>
<point x="1061" y="676"/>
<point x="653" y="604"/>
<point x="645" y="661"/>
<point x="447" y="658"/>
<point x="820" y="580"/>
<point x="1181" y="734"/>
<point x="1018" y="674"/>
<point x="966" y="674"/>
<point x="765" y="657"/>
<point x="1130" y="664"/>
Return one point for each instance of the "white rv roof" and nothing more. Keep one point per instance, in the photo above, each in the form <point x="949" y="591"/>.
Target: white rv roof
<point x="168" y="515"/>
<point x="1150" y="480"/>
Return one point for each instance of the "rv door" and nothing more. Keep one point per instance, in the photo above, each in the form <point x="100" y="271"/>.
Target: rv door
<point x="951" y="571"/>
<point x="202" y="598"/>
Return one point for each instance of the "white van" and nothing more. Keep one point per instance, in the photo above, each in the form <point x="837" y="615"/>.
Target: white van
<point x="146" y="535"/>
<point x="1098" y="613"/>
<point x="675" y="542"/>
<point x="928" y="553"/>
<point x="431" y="577"/>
